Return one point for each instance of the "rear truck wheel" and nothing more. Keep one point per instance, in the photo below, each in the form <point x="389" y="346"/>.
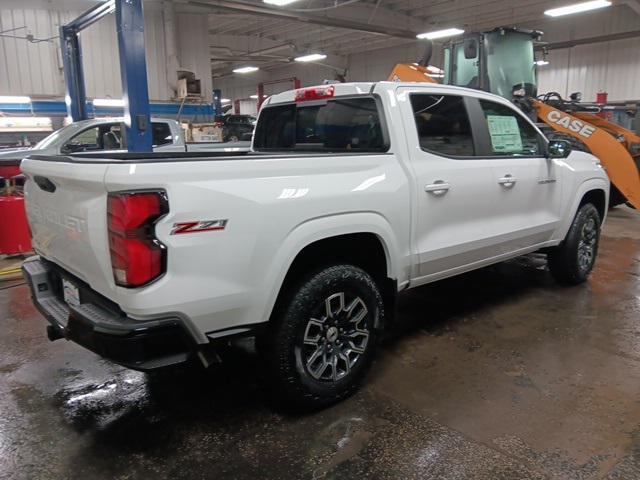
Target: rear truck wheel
<point x="322" y="338"/>
<point x="572" y="261"/>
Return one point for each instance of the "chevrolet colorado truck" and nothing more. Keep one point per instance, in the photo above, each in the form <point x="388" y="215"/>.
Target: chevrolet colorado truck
<point x="352" y="193"/>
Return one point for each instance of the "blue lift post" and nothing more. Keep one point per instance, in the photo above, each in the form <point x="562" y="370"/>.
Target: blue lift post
<point x="133" y="68"/>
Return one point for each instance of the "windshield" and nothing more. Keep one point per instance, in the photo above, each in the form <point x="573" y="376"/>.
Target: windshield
<point x="342" y="124"/>
<point x="510" y="62"/>
<point x="48" y="140"/>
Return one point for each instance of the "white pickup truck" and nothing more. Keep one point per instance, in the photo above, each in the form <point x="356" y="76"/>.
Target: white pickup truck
<point x="353" y="193"/>
<point x="107" y="134"/>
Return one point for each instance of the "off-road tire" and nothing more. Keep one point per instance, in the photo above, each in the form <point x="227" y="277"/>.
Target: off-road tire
<point x="572" y="261"/>
<point x="301" y="315"/>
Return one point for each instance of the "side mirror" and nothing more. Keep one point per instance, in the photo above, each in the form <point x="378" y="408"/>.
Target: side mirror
<point x="558" y="149"/>
<point x="470" y="48"/>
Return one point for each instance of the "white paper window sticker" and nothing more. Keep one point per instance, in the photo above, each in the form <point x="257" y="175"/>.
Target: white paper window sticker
<point x="505" y="134"/>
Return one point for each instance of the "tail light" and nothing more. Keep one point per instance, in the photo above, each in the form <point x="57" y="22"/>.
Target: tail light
<point x="218" y="124"/>
<point x="137" y="257"/>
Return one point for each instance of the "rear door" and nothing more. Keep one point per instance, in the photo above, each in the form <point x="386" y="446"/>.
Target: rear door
<point x="455" y="228"/>
<point x="526" y="190"/>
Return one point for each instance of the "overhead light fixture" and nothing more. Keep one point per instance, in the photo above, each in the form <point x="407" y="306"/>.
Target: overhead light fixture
<point x="108" y="102"/>
<point x="577" y="8"/>
<point x="312" y="57"/>
<point x="14" y="99"/>
<point x="541" y="63"/>
<point x="255" y="97"/>
<point x="447" y="32"/>
<point x="279" y="3"/>
<point x="245" y="69"/>
<point x="224" y="100"/>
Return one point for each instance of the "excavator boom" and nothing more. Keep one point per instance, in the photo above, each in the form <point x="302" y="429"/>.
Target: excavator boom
<point x="599" y="136"/>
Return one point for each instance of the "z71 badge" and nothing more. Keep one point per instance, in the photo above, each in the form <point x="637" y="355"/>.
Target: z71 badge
<point x="198" y="226"/>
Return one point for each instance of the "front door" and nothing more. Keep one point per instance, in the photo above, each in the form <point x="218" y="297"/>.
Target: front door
<point x="526" y="188"/>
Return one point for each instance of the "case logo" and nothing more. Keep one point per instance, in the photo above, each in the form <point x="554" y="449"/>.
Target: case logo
<point x="577" y="126"/>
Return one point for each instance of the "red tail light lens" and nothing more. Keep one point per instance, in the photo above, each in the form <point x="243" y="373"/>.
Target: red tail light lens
<point x="137" y="257"/>
<point x="315" y="93"/>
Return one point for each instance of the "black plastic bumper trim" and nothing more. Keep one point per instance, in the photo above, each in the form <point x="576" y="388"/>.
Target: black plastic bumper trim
<point x="140" y="345"/>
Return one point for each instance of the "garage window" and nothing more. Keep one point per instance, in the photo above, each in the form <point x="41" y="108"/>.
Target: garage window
<point x="443" y="124"/>
<point x="343" y="124"/>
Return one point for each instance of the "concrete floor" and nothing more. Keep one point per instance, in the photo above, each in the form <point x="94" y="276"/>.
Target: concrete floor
<point x="499" y="374"/>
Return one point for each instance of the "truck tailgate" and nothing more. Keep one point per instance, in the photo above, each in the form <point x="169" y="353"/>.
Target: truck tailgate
<point x="67" y="209"/>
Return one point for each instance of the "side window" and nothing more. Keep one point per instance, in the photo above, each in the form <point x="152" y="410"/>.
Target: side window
<point x="106" y="136"/>
<point x="86" y="140"/>
<point x="161" y="133"/>
<point x="510" y="134"/>
<point x="443" y="124"/>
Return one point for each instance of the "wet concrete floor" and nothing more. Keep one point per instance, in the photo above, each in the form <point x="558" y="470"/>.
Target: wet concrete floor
<point x="499" y="374"/>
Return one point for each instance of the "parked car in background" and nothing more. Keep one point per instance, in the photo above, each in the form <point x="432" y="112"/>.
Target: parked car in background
<point x="236" y="128"/>
<point x="106" y="134"/>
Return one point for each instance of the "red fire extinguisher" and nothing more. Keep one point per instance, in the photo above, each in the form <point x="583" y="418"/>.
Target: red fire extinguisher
<point x="15" y="237"/>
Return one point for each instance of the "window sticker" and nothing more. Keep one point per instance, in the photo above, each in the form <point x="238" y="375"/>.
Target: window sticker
<point x="505" y="134"/>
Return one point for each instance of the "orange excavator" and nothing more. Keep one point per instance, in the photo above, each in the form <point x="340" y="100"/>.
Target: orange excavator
<point x="502" y="61"/>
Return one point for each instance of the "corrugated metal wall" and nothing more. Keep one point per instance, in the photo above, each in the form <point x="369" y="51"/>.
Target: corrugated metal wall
<point x="613" y="67"/>
<point x="36" y="68"/>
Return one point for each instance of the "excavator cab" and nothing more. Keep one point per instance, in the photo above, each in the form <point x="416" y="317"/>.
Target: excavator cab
<point x="500" y="61"/>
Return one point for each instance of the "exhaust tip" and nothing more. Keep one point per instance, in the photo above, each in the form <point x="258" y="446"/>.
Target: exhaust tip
<point x="53" y="333"/>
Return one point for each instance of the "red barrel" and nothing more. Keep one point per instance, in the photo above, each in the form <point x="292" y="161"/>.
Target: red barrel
<point x="8" y="171"/>
<point x="14" y="230"/>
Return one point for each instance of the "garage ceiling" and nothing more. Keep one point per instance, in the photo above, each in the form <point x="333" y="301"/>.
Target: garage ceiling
<point x="250" y="30"/>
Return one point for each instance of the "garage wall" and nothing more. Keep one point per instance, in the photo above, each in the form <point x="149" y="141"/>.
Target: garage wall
<point x="613" y="67"/>
<point x="36" y="68"/>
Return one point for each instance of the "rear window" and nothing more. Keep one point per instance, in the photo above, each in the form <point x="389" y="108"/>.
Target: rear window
<point x="161" y="133"/>
<point x="342" y="124"/>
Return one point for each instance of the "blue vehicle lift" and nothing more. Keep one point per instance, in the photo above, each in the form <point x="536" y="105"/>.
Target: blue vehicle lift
<point x="133" y="68"/>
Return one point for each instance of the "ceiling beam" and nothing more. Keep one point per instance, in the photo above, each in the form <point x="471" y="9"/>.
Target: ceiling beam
<point x="634" y="4"/>
<point x="256" y="9"/>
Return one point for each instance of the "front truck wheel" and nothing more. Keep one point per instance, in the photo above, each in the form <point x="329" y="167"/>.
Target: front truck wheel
<point x="572" y="261"/>
<point x="322" y="337"/>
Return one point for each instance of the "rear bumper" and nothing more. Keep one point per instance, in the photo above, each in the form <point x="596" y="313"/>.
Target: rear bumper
<point x="99" y="326"/>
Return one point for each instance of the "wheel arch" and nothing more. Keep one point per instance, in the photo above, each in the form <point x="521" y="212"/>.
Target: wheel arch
<point x="365" y="240"/>
<point x="596" y="191"/>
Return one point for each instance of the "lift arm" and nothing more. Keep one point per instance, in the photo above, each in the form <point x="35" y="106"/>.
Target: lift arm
<point x="599" y="135"/>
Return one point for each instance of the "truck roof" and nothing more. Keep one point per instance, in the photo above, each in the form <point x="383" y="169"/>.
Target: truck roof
<point x="363" y="88"/>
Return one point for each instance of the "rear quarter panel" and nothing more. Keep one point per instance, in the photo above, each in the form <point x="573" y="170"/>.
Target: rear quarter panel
<point x="274" y="207"/>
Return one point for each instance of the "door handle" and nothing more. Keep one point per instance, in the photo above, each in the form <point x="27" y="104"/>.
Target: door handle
<point x="439" y="187"/>
<point x="507" y="181"/>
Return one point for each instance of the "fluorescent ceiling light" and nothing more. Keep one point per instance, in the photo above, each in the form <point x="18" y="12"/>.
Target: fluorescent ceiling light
<point x="541" y="63"/>
<point x="433" y="69"/>
<point x="245" y="69"/>
<point x="14" y="99"/>
<point x="313" y="57"/>
<point x="577" y="8"/>
<point x="108" y="102"/>
<point x="224" y="100"/>
<point x="448" y="32"/>
<point x="279" y="3"/>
